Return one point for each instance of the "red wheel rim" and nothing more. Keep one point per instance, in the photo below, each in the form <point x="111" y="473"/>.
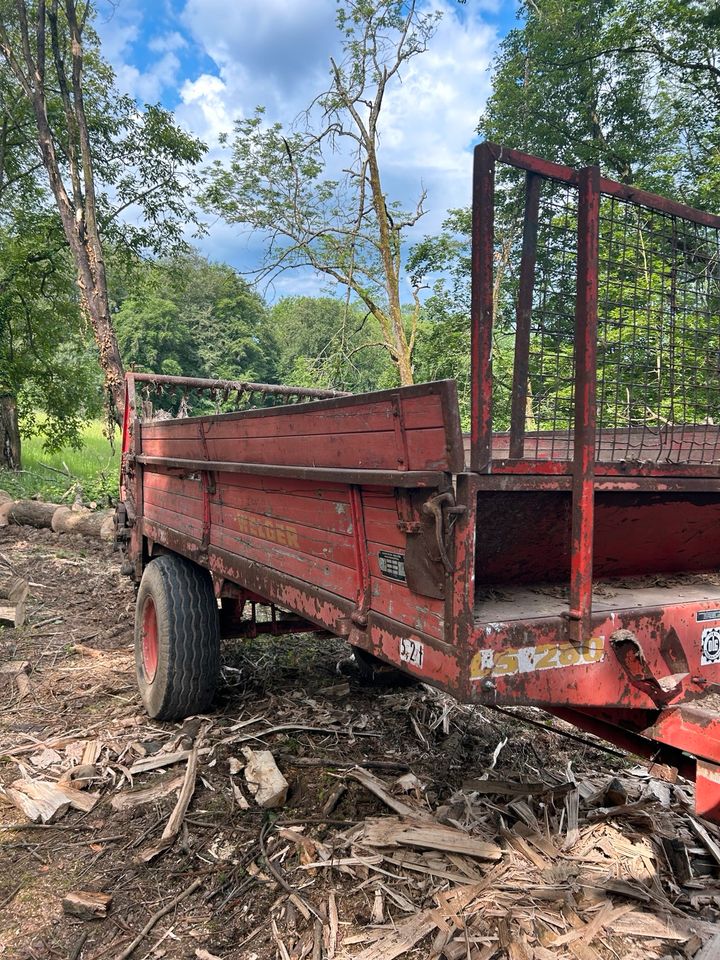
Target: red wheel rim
<point x="149" y="640"/>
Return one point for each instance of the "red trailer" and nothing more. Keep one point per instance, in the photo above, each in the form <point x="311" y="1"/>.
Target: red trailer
<point x="565" y="554"/>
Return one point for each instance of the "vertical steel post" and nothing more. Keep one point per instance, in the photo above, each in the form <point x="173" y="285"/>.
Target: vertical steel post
<point x="481" y="309"/>
<point x="518" y="413"/>
<point x="583" y="490"/>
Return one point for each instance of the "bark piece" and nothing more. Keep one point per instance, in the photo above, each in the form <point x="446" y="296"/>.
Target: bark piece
<point x="380" y="789"/>
<point x="13" y="593"/>
<point x="136" y="798"/>
<point x="172" y="827"/>
<point x="87" y="904"/>
<point x="406" y="832"/>
<point x="264" y="779"/>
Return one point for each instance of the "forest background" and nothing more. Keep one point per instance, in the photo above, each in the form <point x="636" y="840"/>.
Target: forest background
<point x="103" y="199"/>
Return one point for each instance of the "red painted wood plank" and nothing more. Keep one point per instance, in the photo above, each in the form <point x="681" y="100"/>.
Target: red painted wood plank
<point x="319" y="513"/>
<point x="321" y="573"/>
<point x="426" y="450"/>
<point x="381" y="529"/>
<point x="287" y="486"/>
<point x="309" y="541"/>
<point x="394" y="600"/>
<point x="382" y="498"/>
<point x="368" y="451"/>
<point x="171" y="518"/>
<point x="184" y="506"/>
<point x="153" y="480"/>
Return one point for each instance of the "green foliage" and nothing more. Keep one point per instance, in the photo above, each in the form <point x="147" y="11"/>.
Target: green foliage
<point x="327" y="342"/>
<point x="46" y="359"/>
<point x="92" y="464"/>
<point x="187" y="316"/>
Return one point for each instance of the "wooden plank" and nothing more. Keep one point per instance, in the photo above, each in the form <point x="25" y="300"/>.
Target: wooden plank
<point x="178" y="521"/>
<point x="287" y="486"/>
<point x="325" y="514"/>
<point x="395" y="601"/>
<point x="381" y="528"/>
<point x="321" y="573"/>
<point x="308" y="540"/>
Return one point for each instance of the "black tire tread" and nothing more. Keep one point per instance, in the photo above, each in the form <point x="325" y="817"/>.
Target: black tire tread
<point x="188" y="638"/>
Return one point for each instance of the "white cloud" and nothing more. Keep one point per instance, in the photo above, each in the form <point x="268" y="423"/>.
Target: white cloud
<point x="167" y="42"/>
<point x="204" y="107"/>
<point x="276" y="53"/>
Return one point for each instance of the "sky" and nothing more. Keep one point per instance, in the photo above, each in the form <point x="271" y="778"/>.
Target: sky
<point x="214" y="61"/>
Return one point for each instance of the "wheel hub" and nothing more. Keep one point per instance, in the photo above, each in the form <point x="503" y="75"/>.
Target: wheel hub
<point x="149" y="640"/>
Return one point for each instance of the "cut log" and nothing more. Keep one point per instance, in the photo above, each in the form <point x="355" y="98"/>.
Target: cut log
<point x="34" y="513"/>
<point x="87" y="904"/>
<point x="13" y="593"/>
<point x="84" y="522"/>
<point x="5" y="497"/>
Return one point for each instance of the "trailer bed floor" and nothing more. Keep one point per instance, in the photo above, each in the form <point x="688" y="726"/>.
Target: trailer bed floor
<point x="507" y="602"/>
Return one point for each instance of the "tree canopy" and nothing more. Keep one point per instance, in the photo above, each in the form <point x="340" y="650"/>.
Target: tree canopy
<point x="284" y="182"/>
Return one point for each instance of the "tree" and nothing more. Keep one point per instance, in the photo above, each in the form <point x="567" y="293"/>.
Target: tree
<point x="186" y="316"/>
<point x="94" y="143"/>
<point x="278" y="181"/>
<point x="46" y="364"/>
<point x="325" y="341"/>
<point x="630" y="85"/>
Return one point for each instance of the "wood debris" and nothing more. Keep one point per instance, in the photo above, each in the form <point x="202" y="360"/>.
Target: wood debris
<point x="406" y="832"/>
<point x="87" y="904"/>
<point x="380" y="853"/>
<point x="263" y="778"/>
<point x="43" y="801"/>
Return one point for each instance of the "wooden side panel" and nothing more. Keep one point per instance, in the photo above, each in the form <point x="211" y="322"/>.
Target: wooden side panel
<point x="389" y="597"/>
<point x="299" y="529"/>
<point x="411" y="428"/>
<point x="174" y="502"/>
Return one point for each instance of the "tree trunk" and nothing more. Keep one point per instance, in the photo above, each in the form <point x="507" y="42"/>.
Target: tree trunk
<point x="84" y="522"/>
<point x="34" y="513"/>
<point x="9" y="434"/>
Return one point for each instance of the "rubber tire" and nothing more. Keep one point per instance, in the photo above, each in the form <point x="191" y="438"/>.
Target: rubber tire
<point x="188" y="638"/>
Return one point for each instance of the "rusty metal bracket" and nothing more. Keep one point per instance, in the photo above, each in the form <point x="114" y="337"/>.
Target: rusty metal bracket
<point x="441" y="508"/>
<point x="632" y="659"/>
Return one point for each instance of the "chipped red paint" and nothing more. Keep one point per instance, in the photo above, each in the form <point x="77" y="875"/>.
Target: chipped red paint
<point x="310" y="507"/>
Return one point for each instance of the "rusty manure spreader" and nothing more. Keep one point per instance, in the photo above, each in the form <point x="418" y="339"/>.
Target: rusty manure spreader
<point x="565" y="554"/>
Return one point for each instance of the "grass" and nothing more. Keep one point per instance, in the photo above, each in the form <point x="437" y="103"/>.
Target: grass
<point x="56" y="477"/>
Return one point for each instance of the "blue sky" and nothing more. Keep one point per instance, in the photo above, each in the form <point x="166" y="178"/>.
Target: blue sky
<point x="213" y="61"/>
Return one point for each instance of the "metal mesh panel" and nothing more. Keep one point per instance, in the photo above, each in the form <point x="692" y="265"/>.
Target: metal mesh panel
<point x="658" y="338"/>
<point x="658" y="387"/>
<point x="549" y="399"/>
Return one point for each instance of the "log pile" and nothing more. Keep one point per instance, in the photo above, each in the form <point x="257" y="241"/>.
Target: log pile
<point x="56" y="517"/>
